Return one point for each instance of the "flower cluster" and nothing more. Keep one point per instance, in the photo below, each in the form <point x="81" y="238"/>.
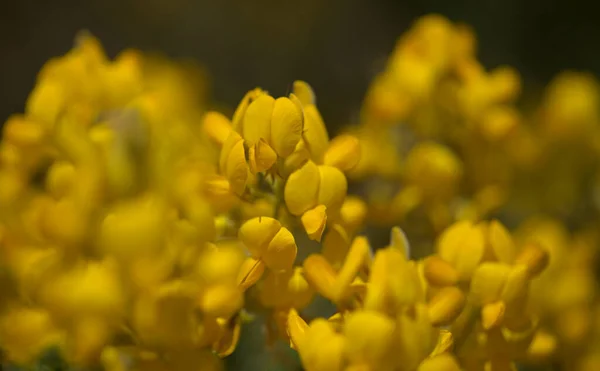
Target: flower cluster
<point x="139" y="230"/>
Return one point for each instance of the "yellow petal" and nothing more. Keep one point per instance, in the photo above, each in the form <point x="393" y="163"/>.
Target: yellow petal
<point x="372" y="338"/>
<point x="25" y="333"/>
<point x="300" y="291"/>
<point x="535" y="258"/>
<point x="314" y="221"/>
<point x="296" y="328"/>
<point x="251" y="271"/>
<point x="219" y="193"/>
<point x="492" y="314"/>
<point x="542" y="346"/>
<point x="438" y="272"/>
<point x="133" y="228"/>
<point x="516" y="284"/>
<point x="257" y="120"/>
<point x="221" y="300"/>
<point x="463" y="246"/>
<point x="286" y="126"/>
<point x="488" y="282"/>
<point x="320" y="275"/>
<point x="232" y="139"/>
<point x="343" y="152"/>
<point x="304" y="92"/>
<point x="445" y="306"/>
<point x="228" y="341"/>
<point x="22" y="132"/>
<point x="281" y="252"/>
<point x="399" y="241"/>
<point x="333" y="187"/>
<point x="238" y="116"/>
<point x="335" y="245"/>
<point x="353" y="213"/>
<point x="257" y="233"/>
<point x="501" y="242"/>
<point x="261" y="157"/>
<point x="357" y="256"/>
<point x="442" y="362"/>
<point x="322" y="348"/>
<point x="216" y="126"/>
<point x="236" y="169"/>
<point x="315" y="133"/>
<point x="445" y="342"/>
<point x="301" y="189"/>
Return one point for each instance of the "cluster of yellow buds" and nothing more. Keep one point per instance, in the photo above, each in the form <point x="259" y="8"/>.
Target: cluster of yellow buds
<point x="138" y="230"/>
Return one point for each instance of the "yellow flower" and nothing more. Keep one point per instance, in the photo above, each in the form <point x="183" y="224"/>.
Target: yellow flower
<point x="26" y="332"/>
<point x="343" y="152"/>
<point x="266" y="239"/>
<point x="370" y="340"/>
<point x="321" y="348"/>
<point x="233" y="162"/>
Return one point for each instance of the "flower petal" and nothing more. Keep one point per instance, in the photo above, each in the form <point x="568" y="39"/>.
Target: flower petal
<point x="301" y="189"/>
<point x="314" y="221"/>
<point x="257" y="233"/>
<point x="286" y="126"/>
<point x="257" y="120"/>
<point x="216" y="126"/>
<point x="343" y="152"/>
<point x="333" y="187"/>
<point x="281" y="252"/>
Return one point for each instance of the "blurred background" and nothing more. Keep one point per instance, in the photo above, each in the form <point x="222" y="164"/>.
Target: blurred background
<point x="336" y="45"/>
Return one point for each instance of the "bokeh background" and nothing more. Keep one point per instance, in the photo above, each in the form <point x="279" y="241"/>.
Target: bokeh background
<point x="336" y="45"/>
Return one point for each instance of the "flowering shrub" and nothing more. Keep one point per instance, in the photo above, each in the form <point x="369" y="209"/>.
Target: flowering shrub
<point x="140" y="231"/>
